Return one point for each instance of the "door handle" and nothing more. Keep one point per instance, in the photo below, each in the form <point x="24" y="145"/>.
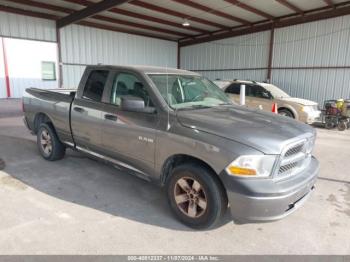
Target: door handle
<point x="79" y="109"/>
<point x="111" y="117"/>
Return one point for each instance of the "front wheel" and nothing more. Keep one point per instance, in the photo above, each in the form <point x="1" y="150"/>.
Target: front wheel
<point x="196" y="196"/>
<point x="342" y="125"/>
<point x="50" y="147"/>
<point x="285" y="112"/>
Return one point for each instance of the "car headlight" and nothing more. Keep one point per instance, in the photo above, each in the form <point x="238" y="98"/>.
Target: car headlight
<point x="309" y="109"/>
<point x="252" y="166"/>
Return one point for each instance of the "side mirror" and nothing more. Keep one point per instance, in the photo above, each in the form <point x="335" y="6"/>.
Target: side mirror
<point x="135" y="104"/>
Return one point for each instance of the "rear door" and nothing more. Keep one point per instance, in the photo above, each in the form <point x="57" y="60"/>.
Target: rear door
<point x="87" y="108"/>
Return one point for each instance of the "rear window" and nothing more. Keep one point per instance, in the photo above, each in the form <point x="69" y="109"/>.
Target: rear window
<point x="95" y="85"/>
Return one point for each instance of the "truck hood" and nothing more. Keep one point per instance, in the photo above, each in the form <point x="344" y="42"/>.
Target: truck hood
<point x="300" y="101"/>
<point x="261" y="130"/>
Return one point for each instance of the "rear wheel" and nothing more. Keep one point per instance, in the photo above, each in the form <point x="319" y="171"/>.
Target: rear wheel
<point x="50" y="147"/>
<point x="285" y="112"/>
<point x="195" y="196"/>
<point x="342" y="125"/>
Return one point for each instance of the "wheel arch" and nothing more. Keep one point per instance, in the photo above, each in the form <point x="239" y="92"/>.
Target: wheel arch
<point x="40" y="118"/>
<point x="179" y="159"/>
<point x="290" y="109"/>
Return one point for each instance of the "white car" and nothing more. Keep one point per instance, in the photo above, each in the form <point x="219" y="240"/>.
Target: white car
<point x="264" y="96"/>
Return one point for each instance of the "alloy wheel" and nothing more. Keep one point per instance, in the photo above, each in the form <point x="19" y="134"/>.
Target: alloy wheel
<point x="46" y="142"/>
<point x="190" y="197"/>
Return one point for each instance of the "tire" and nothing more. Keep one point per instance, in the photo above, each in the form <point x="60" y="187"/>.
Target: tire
<point x="329" y="125"/>
<point x="50" y="147"/>
<point x="286" y="112"/>
<point x="209" y="201"/>
<point x="342" y="125"/>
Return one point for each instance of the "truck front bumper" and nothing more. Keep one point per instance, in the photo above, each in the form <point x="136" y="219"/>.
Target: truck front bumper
<point x="259" y="200"/>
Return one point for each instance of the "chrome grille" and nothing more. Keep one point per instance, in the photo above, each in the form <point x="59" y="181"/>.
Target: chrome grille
<point x="294" y="150"/>
<point x="287" y="167"/>
<point x="295" y="157"/>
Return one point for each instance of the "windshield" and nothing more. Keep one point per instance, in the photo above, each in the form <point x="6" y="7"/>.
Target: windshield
<point x="182" y="91"/>
<point x="275" y="91"/>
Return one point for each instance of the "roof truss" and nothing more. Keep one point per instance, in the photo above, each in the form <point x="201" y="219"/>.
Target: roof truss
<point x="89" y="11"/>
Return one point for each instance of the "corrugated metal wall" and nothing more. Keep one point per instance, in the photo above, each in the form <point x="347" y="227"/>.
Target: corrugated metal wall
<point x="26" y="27"/>
<point x="318" y="44"/>
<point x="82" y="46"/>
<point x="215" y="59"/>
<point x="2" y="74"/>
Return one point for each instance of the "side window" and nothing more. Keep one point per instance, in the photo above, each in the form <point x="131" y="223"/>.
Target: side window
<point x="127" y="84"/>
<point x="260" y="92"/>
<point x="233" y="89"/>
<point x="95" y="84"/>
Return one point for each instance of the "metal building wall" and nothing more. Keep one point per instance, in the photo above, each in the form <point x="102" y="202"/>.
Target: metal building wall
<point x="3" y="93"/>
<point x="26" y="27"/>
<point x="310" y="60"/>
<point x="223" y="59"/>
<point x="83" y="46"/>
<point x="317" y="55"/>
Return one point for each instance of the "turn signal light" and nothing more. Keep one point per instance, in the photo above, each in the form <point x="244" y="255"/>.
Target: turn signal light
<point x="239" y="171"/>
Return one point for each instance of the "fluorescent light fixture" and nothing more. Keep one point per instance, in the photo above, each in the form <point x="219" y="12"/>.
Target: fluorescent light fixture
<point x="186" y="23"/>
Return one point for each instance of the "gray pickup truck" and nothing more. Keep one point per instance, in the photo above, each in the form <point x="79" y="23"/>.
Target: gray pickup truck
<point x="176" y="128"/>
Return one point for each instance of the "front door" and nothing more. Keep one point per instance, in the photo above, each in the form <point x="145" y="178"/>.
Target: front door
<point x="130" y="136"/>
<point x="259" y="97"/>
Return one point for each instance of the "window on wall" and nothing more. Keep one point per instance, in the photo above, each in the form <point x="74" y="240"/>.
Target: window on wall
<point x="48" y="70"/>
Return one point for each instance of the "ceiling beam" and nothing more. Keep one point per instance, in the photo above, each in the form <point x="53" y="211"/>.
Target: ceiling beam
<point x="212" y="11"/>
<point x="83" y="23"/>
<point x="89" y="11"/>
<point x="163" y="10"/>
<point x="100" y="17"/>
<point x="329" y="2"/>
<point x="27" y="12"/>
<point x="44" y="6"/>
<point x="250" y="9"/>
<point x="141" y="16"/>
<point x="310" y="16"/>
<point x="290" y="6"/>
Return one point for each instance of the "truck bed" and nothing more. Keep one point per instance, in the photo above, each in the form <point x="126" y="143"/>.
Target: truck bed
<point x="53" y="103"/>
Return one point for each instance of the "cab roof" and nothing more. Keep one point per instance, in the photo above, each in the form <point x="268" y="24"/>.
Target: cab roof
<point x="148" y="69"/>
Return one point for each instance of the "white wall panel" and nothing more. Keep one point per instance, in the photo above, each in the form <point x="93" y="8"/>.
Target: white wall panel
<point x="88" y="46"/>
<point x="248" y="51"/>
<point x="318" y="44"/>
<point x="321" y="43"/>
<point x="26" y="27"/>
<point x="72" y="75"/>
<point x="2" y="74"/>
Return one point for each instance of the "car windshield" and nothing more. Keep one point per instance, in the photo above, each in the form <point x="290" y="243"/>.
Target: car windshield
<point x="189" y="91"/>
<point x="275" y="91"/>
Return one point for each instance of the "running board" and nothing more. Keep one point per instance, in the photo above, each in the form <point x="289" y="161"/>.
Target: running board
<point x="115" y="163"/>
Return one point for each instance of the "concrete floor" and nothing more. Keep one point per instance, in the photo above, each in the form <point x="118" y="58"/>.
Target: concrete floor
<point x="80" y="206"/>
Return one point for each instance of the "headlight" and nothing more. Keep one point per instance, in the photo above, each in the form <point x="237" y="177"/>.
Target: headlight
<point x="252" y="166"/>
<point x="310" y="144"/>
<point x="309" y="109"/>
